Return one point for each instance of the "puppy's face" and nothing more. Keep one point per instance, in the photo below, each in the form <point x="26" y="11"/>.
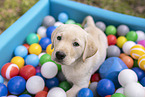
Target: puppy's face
<point x="69" y="43"/>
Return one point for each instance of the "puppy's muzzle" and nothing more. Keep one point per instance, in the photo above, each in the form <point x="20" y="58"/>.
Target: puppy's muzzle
<point x="60" y="55"/>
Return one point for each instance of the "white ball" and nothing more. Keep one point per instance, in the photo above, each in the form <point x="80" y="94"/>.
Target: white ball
<point x="58" y="24"/>
<point x="134" y="90"/>
<point x="39" y="56"/>
<point x="127" y="76"/>
<point x="127" y="46"/>
<point x="10" y="96"/>
<point x="56" y="92"/>
<point x="141" y="35"/>
<point x="49" y="70"/>
<point x="120" y="90"/>
<point x="35" y="84"/>
<point x="42" y="31"/>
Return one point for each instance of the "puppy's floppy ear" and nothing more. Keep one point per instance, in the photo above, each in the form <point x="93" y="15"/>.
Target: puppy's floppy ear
<point x="53" y="36"/>
<point x="90" y="48"/>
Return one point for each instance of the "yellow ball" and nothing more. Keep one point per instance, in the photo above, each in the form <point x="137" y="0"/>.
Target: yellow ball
<point x="141" y="62"/>
<point x="38" y="37"/>
<point x="19" y="61"/>
<point x="137" y="51"/>
<point x="120" y="41"/>
<point x="49" y="50"/>
<point x="35" y="49"/>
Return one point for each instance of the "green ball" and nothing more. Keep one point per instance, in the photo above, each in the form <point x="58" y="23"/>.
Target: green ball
<point x="111" y="30"/>
<point x="79" y="24"/>
<point x="70" y="22"/>
<point x="32" y="38"/>
<point x="58" y="65"/>
<point x="117" y="95"/>
<point x="45" y="58"/>
<point x="65" y="85"/>
<point x="131" y="36"/>
<point x="135" y="63"/>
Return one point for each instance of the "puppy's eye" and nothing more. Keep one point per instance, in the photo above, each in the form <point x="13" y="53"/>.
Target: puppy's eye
<point x="76" y="44"/>
<point x="59" y="38"/>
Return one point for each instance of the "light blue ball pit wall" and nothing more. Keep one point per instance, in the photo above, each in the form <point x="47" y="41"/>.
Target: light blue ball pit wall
<point x="30" y="21"/>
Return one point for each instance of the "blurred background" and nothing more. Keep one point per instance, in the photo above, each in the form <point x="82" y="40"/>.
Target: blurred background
<point x="11" y="10"/>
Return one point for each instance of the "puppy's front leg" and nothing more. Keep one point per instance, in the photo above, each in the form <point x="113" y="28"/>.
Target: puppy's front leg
<point x="73" y="91"/>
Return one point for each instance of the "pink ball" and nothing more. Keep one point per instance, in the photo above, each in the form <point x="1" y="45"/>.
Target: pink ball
<point x="142" y="42"/>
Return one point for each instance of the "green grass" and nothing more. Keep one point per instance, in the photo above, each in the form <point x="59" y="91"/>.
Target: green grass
<point x="11" y="10"/>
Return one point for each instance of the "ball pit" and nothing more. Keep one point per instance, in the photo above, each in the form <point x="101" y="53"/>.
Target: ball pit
<point x="44" y="42"/>
<point x="21" y="51"/>
<point x="35" y="48"/>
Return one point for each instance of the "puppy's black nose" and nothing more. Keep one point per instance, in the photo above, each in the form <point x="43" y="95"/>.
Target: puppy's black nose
<point x="60" y="55"/>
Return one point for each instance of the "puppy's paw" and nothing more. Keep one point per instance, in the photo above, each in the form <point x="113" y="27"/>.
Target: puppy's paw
<point x="70" y="93"/>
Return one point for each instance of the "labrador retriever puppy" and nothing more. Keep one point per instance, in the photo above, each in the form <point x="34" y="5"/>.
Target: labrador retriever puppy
<point x="79" y="51"/>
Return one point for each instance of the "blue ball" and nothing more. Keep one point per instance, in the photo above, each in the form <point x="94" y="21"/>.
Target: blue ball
<point x="105" y="87"/>
<point x="1" y="79"/>
<point x="3" y="90"/>
<point x="21" y="51"/>
<point x="44" y="42"/>
<point x="39" y="74"/>
<point x="142" y="81"/>
<point x="85" y="92"/>
<point x="25" y="95"/>
<point x="16" y="85"/>
<point x="49" y="31"/>
<point x="53" y="82"/>
<point x="32" y="59"/>
<point x="63" y="17"/>
<point x="139" y="72"/>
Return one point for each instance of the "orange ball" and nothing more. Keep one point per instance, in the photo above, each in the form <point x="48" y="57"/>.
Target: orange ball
<point x="108" y="96"/>
<point x="41" y="94"/>
<point x="128" y="61"/>
<point x="122" y="55"/>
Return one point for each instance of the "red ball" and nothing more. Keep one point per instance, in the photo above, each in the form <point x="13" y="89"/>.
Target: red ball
<point x="111" y="40"/>
<point x="45" y="89"/>
<point x="108" y="96"/>
<point x="9" y="70"/>
<point x="27" y="71"/>
<point x="95" y="77"/>
<point x="41" y="94"/>
<point x="26" y="45"/>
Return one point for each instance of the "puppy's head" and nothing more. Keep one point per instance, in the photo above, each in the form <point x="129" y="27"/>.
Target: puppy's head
<point x="71" y="43"/>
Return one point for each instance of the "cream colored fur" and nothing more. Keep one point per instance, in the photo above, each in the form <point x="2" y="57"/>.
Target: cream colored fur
<point x="82" y="61"/>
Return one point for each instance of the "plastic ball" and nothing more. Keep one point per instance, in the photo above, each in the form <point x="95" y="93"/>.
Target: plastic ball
<point x="32" y="59"/>
<point x="85" y="92"/>
<point x="27" y="71"/>
<point x="44" y="42"/>
<point x="141" y="62"/>
<point x="39" y="56"/>
<point x="108" y="96"/>
<point x="16" y="85"/>
<point x="53" y="82"/>
<point x="136" y="51"/>
<point x="141" y="35"/>
<point x="54" y="92"/>
<point x="70" y="21"/>
<point x="93" y="87"/>
<point x="38" y="69"/>
<point x="122" y="55"/>
<point x="129" y="76"/>
<point x="142" y="81"/>
<point x="61" y="76"/>
<point x="140" y="73"/>
<point x="48" y="21"/>
<point x="11" y="96"/>
<point x="21" y="51"/>
<point x="120" y="90"/>
<point x="131" y="36"/>
<point x="117" y="95"/>
<point x="19" y="61"/>
<point x="26" y="45"/>
<point x="1" y="79"/>
<point x="25" y="95"/>
<point x="41" y="94"/>
<point x="39" y="37"/>
<point x="134" y="90"/>
<point x="127" y="46"/>
<point x="128" y="61"/>
<point x="110" y="30"/>
<point x="49" y="31"/>
<point x="49" y="50"/>
<point x="41" y="31"/>
<point x="45" y="89"/>
<point x="111" y="39"/>
<point x="142" y="42"/>
<point x="120" y="41"/>
<point x="32" y="38"/>
<point x="35" y="84"/>
<point x="79" y="24"/>
<point x="101" y="25"/>
<point x="63" y="17"/>
<point x="45" y="58"/>
<point x="57" y="24"/>
<point x="135" y="63"/>
<point x="95" y="77"/>
<point x="58" y="65"/>
<point x="113" y="51"/>
<point x="9" y="70"/>
<point x="35" y="49"/>
<point x="49" y="70"/>
<point x="122" y="30"/>
<point x="65" y="85"/>
<point x="105" y="87"/>
<point x="3" y="90"/>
